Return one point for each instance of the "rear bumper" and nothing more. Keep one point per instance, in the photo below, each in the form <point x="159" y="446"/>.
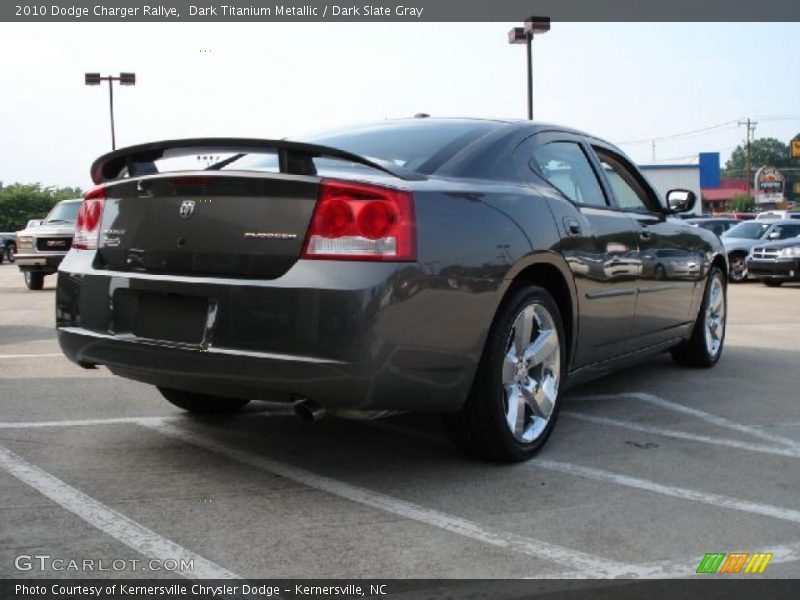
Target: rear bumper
<point x="788" y="269"/>
<point x="345" y="334"/>
<point x="45" y="263"/>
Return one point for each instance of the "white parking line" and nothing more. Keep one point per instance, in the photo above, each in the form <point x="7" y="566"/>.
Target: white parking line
<point x="695" y="412"/>
<point x="588" y="564"/>
<point x="125" y="530"/>
<point x="5" y="356"/>
<point x="715" y="500"/>
<point x="684" y="435"/>
<point x="82" y="422"/>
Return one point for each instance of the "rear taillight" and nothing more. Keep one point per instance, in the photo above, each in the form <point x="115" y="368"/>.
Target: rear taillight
<point x="87" y="229"/>
<point x="357" y="221"/>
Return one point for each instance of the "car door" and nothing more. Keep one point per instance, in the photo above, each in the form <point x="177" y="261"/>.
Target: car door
<point x="670" y="251"/>
<point x="598" y="241"/>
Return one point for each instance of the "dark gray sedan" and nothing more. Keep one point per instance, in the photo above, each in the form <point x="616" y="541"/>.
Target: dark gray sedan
<point x="470" y="267"/>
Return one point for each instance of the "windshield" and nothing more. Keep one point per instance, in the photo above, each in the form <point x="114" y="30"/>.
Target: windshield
<point x="412" y="144"/>
<point x="64" y="212"/>
<point x="749" y="230"/>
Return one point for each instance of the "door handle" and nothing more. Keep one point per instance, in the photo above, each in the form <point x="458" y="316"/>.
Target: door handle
<point x="571" y="226"/>
<point x="645" y="233"/>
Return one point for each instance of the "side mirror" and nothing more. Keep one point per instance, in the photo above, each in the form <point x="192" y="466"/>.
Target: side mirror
<point x="775" y="235"/>
<point x="680" y="201"/>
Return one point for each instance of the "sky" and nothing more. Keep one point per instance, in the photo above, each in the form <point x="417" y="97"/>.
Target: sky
<point x="623" y="82"/>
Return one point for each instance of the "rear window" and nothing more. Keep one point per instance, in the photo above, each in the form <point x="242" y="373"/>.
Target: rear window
<point x="418" y="145"/>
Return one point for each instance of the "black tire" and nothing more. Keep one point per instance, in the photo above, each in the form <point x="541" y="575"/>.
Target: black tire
<point x="480" y="428"/>
<point x="772" y="282"/>
<point x="737" y="267"/>
<point x="695" y="352"/>
<point x="202" y="404"/>
<point x="660" y="273"/>
<point x="34" y="280"/>
<point x="11" y="250"/>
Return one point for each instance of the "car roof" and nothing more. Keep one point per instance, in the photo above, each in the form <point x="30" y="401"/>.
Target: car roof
<point x="531" y="126"/>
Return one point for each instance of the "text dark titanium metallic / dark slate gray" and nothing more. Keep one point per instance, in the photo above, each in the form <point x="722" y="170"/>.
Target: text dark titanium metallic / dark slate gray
<point x="471" y="267"/>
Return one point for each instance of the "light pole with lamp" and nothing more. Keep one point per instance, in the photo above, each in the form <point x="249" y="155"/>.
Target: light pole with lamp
<point x="524" y="35"/>
<point x="124" y="79"/>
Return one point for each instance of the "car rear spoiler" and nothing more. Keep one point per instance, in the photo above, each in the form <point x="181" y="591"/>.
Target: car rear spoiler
<point x="293" y="157"/>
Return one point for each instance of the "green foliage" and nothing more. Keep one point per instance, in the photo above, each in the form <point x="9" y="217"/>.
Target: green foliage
<point x="764" y="151"/>
<point x="21" y="202"/>
<point x="742" y="203"/>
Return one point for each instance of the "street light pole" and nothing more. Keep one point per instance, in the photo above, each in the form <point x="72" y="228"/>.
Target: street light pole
<point x="529" y="44"/>
<point x="524" y="35"/>
<point x="123" y="79"/>
<point x="111" y="111"/>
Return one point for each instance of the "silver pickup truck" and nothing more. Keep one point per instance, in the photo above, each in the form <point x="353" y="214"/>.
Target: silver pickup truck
<point x="40" y="249"/>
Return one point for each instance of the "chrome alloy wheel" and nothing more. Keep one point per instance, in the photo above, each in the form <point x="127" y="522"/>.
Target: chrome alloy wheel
<point x="715" y="317"/>
<point x="531" y="373"/>
<point x="738" y="268"/>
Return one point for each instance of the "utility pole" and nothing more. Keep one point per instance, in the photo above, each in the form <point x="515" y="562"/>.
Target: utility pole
<point x="751" y="128"/>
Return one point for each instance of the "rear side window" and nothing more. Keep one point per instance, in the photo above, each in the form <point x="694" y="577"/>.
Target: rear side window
<point x="565" y="166"/>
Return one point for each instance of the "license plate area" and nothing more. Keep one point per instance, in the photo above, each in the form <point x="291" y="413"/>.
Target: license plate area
<point x="163" y="317"/>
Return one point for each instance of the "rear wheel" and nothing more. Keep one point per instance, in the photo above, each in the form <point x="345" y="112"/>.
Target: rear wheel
<point x="704" y="348"/>
<point x="202" y="403"/>
<point x="737" y="267"/>
<point x="33" y="280"/>
<point x="772" y="282"/>
<point x="513" y="405"/>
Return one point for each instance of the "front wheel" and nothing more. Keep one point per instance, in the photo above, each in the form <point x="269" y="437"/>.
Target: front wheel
<point x="737" y="268"/>
<point x="704" y="348"/>
<point x="202" y="403"/>
<point x="513" y="405"/>
<point x="33" y="280"/>
<point x="11" y="250"/>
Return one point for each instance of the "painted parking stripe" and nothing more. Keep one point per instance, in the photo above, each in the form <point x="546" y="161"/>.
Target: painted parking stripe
<point x="684" y="435"/>
<point x="125" y="530"/>
<point x="82" y="422"/>
<point x="586" y="563"/>
<point x="695" y="412"/>
<point x="5" y="356"/>
<point x="715" y="500"/>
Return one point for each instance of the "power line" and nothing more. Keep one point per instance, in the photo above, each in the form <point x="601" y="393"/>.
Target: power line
<point x="727" y="125"/>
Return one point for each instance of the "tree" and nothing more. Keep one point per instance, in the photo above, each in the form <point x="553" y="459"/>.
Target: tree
<point x="742" y="203"/>
<point x="764" y="151"/>
<point x="21" y="202"/>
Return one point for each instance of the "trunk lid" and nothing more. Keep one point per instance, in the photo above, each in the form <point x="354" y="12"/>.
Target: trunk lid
<point x="239" y="225"/>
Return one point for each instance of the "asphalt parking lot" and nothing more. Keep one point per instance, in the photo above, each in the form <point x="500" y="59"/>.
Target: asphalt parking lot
<point x="646" y="472"/>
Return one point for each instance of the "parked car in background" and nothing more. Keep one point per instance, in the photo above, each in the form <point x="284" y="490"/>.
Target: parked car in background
<point x="771" y="215"/>
<point x="462" y="266"/>
<point x="8" y="245"/>
<point x="40" y="249"/>
<point x="718" y="225"/>
<point x="775" y="262"/>
<point x="739" y="240"/>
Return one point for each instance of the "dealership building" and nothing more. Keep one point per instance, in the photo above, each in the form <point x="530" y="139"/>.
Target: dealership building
<point x="694" y="176"/>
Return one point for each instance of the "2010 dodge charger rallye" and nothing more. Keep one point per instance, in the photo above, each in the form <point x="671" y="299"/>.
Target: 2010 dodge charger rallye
<point x="464" y="266"/>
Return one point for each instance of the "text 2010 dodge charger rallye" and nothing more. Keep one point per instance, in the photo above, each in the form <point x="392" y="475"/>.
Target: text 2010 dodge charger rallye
<point x="470" y="267"/>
